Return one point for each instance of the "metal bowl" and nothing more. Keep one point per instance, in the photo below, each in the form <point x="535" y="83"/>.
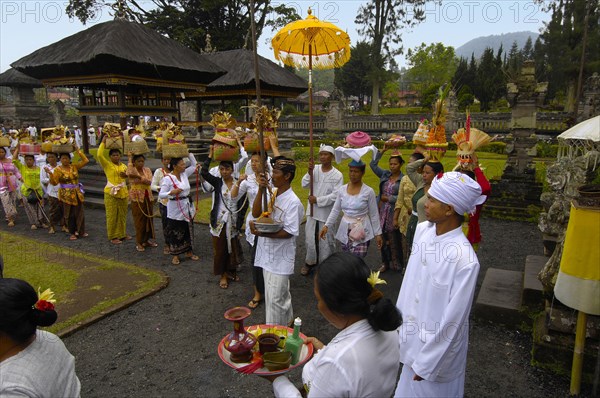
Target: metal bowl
<point x="268" y="228"/>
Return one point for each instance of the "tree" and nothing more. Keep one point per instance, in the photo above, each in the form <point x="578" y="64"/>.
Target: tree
<point x="351" y="77"/>
<point x="539" y="57"/>
<point x="381" y="22"/>
<point x="323" y="79"/>
<point x="190" y="21"/>
<point x="461" y="71"/>
<point x="567" y="53"/>
<point x="485" y="79"/>
<point x="514" y="62"/>
<point x="391" y="92"/>
<point x="527" y="51"/>
<point x="431" y="65"/>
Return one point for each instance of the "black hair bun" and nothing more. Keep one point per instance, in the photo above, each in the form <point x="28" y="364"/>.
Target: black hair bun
<point x="44" y="318"/>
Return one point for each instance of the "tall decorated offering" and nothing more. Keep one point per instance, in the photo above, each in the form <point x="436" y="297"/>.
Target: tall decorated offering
<point x="135" y="141"/>
<point x="173" y="145"/>
<point x="114" y="136"/>
<point x="436" y="144"/>
<point x="267" y="120"/>
<point x="225" y="146"/>
<point x="420" y="136"/>
<point x="27" y="146"/>
<point x="467" y="140"/>
<point x="57" y="141"/>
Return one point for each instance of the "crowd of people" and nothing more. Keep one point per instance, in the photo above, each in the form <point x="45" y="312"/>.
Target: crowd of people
<point x="415" y="219"/>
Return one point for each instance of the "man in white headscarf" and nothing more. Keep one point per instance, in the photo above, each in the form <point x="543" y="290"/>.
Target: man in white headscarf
<point x="437" y="292"/>
<point x="326" y="182"/>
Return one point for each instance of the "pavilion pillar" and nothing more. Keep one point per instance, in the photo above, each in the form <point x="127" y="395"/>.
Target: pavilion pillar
<point x="83" y="123"/>
<point x="122" y="115"/>
<point x="199" y="115"/>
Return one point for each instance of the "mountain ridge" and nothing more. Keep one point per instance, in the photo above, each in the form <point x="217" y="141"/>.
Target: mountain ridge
<point x="477" y="45"/>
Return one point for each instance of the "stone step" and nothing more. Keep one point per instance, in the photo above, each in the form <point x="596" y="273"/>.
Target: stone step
<point x="499" y="299"/>
<point x="533" y="291"/>
<point x="553" y="350"/>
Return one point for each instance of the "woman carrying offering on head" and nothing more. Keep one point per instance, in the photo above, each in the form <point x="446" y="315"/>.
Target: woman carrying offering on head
<point x="226" y="247"/>
<point x="141" y="199"/>
<point x="9" y="175"/>
<point x="403" y="208"/>
<point x="175" y="187"/>
<point x="115" y="193"/>
<point x="159" y="174"/>
<point x="70" y="192"/>
<point x="33" y="363"/>
<point x="55" y="213"/>
<point x="421" y="172"/>
<point x="360" y="220"/>
<point x="389" y="185"/>
<point x="362" y="360"/>
<point x="31" y="190"/>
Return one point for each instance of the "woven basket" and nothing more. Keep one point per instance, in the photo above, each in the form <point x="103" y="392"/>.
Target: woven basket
<point x="30" y="149"/>
<point x="137" y="147"/>
<point x="223" y="152"/>
<point x="47" y="146"/>
<point x="175" y="151"/>
<point x="62" y="148"/>
<point x="251" y="143"/>
<point x="4" y="141"/>
<point x="114" y="143"/>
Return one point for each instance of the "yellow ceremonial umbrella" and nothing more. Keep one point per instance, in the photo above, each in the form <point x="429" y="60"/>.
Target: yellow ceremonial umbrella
<point x="311" y="43"/>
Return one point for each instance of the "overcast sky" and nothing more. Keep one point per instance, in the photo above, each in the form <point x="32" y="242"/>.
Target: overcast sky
<point x="27" y="25"/>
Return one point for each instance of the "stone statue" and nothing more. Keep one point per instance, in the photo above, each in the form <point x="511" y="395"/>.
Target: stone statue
<point x="564" y="176"/>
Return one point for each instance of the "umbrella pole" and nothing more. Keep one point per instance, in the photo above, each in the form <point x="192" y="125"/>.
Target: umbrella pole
<point x="261" y="142"/>
<point x="310" y="121"/>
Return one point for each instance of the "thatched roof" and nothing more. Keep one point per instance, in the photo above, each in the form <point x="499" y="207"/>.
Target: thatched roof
<point x="13" y="78"/>
<point x="240" y="73"/>
<point x="121" y="48"/>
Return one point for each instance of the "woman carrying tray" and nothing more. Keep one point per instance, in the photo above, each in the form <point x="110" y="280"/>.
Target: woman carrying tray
<point x="31" y="190"/>
<point x="55" y="213"/>
<point x="360" y="221"/>
<point x="362" y="360"/>
<point x="389" y="185"/>
<point x="175" y="187"/>
<point x="70" y="192"/>
<point x="115" y="193"/>
<point x="142" y="203"/>
<point x="159" y="174"/>
<point x="9" y="175"/>
<point x="226" y="245"/>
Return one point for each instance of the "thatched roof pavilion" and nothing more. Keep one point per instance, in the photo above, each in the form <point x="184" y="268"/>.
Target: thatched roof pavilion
<point x="119" y="52"/>
<point x="239" y="81"/>
<point x="13" y="78"/>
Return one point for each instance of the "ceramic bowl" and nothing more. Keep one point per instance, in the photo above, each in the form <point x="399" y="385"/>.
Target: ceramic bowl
<point x="277" y="360"/>
<point x="268" y="228"/>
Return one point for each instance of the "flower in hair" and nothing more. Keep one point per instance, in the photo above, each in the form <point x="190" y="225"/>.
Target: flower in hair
<point x="440" y="175"/>
<point x="373" y="279"/>
<point x="45" y="300"/>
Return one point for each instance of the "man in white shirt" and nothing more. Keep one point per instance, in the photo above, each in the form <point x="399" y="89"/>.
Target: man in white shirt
<point x="276" y="251"/>
<point x="437" y="292"/>
<point x="326" y="182"/>
<point x="32" y="132"/>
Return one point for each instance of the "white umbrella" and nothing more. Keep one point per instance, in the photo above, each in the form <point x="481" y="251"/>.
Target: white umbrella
<point x="580" y="139"/>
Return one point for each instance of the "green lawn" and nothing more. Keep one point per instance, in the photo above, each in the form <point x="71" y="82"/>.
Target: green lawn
<point x="85" y="286"/>
<point x="492" y="164"/>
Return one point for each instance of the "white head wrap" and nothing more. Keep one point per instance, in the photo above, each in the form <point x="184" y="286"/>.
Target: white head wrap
<point x="326" y="148"/>
<point x="458" y="190"/>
